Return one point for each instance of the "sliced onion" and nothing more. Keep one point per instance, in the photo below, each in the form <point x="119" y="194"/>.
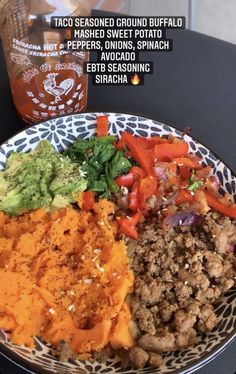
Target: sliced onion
<point x="193" y="157"/>
<point x="231" y="247"/>
<point x="169" y="199"/>
<point x="123" y="201"/>
<point x="183" y="219"/>
<point x="215" y="182"/>
<point x="212" y="185"/>
<point x="160" y="172"/>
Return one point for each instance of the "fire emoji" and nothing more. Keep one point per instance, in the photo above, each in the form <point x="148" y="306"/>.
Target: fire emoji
<point x="135" y="80"/>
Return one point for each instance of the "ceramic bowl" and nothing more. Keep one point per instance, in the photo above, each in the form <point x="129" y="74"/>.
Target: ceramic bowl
<point x="62" y="132"/>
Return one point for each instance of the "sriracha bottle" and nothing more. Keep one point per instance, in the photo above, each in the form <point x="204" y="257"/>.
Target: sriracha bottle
<point x="46" y="79"/>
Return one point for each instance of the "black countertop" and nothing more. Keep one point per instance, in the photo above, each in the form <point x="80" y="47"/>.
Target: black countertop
<point x="195" y="85"/>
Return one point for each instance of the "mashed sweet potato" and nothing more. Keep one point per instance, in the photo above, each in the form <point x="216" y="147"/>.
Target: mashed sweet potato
<point x="64" y="276"/>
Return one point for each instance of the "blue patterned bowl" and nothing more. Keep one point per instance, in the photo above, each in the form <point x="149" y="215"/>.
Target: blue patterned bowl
<point x="61" y="133"/>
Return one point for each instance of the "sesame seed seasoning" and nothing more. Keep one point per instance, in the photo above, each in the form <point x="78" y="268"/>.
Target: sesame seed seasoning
<point x="185" y="283"/>
<point x="124" y="190"/>
<point x="88" y="281"/>
<point x="186" y="266"/>
<point x="101" y="269"/>
<point x="97" y="250"/>
<point x="83" y="173"/>
<point x="52" y="311"/>
<point x="82" y="257"/>
<point x="71" y="308"/>
<point x="180" y="222"/>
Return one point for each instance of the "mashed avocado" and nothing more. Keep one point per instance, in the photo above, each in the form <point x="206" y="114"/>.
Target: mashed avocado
<point x="41" y="178"/>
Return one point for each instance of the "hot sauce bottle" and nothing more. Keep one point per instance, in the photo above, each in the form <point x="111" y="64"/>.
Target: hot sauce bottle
<point x="46" y="79"/>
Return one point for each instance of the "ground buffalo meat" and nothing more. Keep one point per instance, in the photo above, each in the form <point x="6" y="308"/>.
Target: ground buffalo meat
<point x="179" y="274"/>
<point x="161" y="342"/>
<point x="154" y="360"/>
<point x="138" y="357"/>
<point x="64" y="352"/>
<point x="106" y="353"/>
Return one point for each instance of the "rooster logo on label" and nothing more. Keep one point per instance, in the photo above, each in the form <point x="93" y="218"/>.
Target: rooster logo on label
<point x="51" y="86"/>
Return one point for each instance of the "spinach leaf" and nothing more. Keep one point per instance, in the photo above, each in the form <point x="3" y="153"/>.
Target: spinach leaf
<point x="195" y="185"/>
<point x="100" y="163"/>
<point x="103" y="153"/>
<point x="80" y="151"/>
<point x="119" y="165"/>
<point x="100" y="187"/>
<point x="110" y="180"/>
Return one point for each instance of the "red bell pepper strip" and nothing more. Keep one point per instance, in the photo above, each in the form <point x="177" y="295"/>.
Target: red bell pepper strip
<point x="185" y="172"/>
<point x="204" y="172"/>
<point x="120" y="144"/>
<point x="184" y="161"/>
<point x="141" y="155"/>
<point x="173" y="181"/>
<point x="166" y="151"/>
<point x="127" y="225"/>
<point x="157" y="140"/>
<point x="183" y="196"/>
<point x="229" y="211"/>
<point x="88" y="200"/>
<point x="143" y="142"/>
<point x="102" y="126"/>
<point x="125" y="180"/>
<point x="133" y="200"/>
<point x="147" y="188"/>
<point x="137" y="172"/>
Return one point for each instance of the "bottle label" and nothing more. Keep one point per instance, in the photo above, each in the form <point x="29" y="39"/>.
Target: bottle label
<point x="50" y="87"/>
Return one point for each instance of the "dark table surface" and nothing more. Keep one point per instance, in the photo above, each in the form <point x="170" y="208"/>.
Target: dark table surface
<point x="194" y="86"/>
